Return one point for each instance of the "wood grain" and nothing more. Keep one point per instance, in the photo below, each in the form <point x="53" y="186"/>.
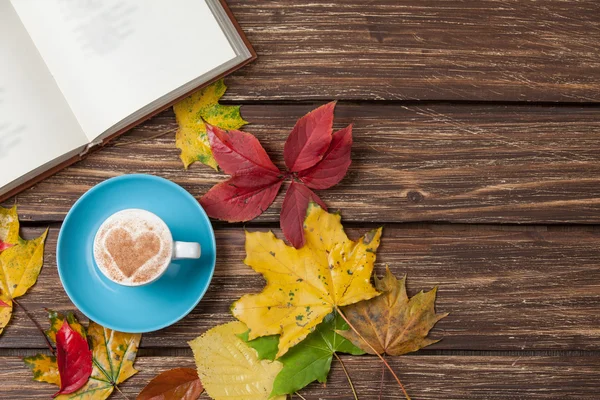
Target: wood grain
<point x="513" y="289"/>
<point x="443" y="163"/>
<point x="426" y="378"/>
<point x="428" y="50"/>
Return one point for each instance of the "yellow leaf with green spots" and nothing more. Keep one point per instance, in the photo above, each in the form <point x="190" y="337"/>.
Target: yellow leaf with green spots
<point x="44" y="368"/>
<point x="229" y="369"/>
<point x="304" y="285"/>
<point x="56" y="322"/>
<point x="9" y="225"/>
<point x="192" y="113"/>
<point x="113" y="356"/>
<point x="20" y="264"/>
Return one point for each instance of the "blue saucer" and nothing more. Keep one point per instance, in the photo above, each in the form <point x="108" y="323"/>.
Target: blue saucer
<point x="144" y="308"/>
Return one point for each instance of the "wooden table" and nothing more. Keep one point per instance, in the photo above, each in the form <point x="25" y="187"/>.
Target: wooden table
<point x="477" y="145"/>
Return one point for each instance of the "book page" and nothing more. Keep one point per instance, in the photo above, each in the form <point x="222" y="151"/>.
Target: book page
<point x="36" y="123"/>
<point x="111" y="58"/>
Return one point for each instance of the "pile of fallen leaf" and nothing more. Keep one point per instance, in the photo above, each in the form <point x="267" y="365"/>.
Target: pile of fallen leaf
<point x="318" y="301"/>
<point x="81" y="372"/>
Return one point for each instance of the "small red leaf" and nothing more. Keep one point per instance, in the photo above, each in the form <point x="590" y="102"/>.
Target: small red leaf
<point x="74" y="359"/>
<point x="334" y="165"/>
<point x="174" y="384"/>
<point x="238" y="152"/>
<point x="4" y="245"/>
<point x="293" y="212"/>
<point x="3" y="304"/>
<point x="242" y="197"/>
<point x="310" y="138"/>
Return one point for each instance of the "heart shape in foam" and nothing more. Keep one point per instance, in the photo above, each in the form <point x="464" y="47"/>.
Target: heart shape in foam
<point x="130" y="253"/>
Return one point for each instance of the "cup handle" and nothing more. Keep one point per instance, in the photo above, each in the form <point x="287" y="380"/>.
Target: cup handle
<point x="186" y="250"/>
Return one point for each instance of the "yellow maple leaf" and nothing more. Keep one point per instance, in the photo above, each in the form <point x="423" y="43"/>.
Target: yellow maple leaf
<point x="113" y="357"/>
<point x="20" y="264"/>
<point x="306" y="284"/>
<point x="229" y="369"/>
<point x="192" y="113"/>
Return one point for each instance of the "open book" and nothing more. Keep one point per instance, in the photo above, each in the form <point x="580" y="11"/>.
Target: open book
<point x="74" y="73"/>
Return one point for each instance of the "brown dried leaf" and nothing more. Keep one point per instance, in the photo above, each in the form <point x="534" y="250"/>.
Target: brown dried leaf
<point x="174" y="384"/>
<point x="392" y="323"/>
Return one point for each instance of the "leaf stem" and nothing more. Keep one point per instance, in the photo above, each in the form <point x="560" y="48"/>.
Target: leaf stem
<point x="347" y="376"/>
<point x="37" y="325"/>
<point x="381" y="384"/>
<point x="119" y="390"/>
<point x="120" y="144"/>
<point x="374" y="351"/>
<point x="299" y="395"/>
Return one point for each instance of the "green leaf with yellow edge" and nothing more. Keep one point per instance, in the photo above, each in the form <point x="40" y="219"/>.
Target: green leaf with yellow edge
<point x="56" y="322"/>
<point x="304" y="285"/>
<point x="20" y="264"/>
<point x="392" y="323"/>
<point x="229" y="369"/>
<point x="44" y="368"/>
<point x="113" y="357"/>
<point x="192" y="113"/>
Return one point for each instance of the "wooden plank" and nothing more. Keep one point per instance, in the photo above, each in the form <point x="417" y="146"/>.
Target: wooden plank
<point x="457" y="163"/>
<point x="425" y="378"/>
<point x="436" y="50"/>
<point x="513" y="289"/>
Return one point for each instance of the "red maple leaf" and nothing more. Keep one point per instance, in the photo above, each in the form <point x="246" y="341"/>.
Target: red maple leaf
<point x="315" y="158"/>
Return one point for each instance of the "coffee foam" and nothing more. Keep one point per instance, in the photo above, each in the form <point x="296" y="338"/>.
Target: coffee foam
<point x="133" y="247"/>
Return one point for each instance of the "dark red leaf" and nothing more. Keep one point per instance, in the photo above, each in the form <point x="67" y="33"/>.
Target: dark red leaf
<point x="174" y="384"/>
<point x="4" y="245"/>
<point x="334" y="165"/>
<point x="74" y="359"/>
<point x="310" y="138"/>
<point x="242" y="197"/>
<point x="238" y="152"/>
<point x="293" y="212"/>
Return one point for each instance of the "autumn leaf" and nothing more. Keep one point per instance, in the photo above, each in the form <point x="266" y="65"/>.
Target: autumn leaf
<point x="9" y="225"/>
<point x="44" y="368"/>
<point x="310" y="138"/>
<point x="314" y="156"/>
<point x="74" y="359"/>
<point x="56" y="322"/>
<point x="306" y="284"/>
<point x="293" y="212"/>
<point x="229" y="369"/>
<point x="174" y="384"/>
<point x="254" y="183"/>
<point x="113" y="355"/>
<point x="308" y="361"/>
<point x="392" y="323"/>
<point x="334" y="165"/>
<point x="4" y="245"/>
<point x="20" y="264"/>
<point x="192" y="114"/>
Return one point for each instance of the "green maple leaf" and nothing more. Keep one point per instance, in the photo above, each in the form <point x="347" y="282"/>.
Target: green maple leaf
<point x="308" y="361"/>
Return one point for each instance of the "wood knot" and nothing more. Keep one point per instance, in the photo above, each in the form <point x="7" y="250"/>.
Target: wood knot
<point x="415" y="196"/>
